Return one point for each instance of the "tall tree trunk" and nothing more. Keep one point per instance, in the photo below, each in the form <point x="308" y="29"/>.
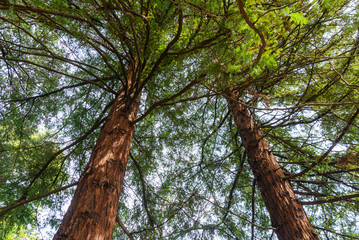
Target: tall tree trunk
<point x="93" y="210"/>
<point x="286" y="213"/>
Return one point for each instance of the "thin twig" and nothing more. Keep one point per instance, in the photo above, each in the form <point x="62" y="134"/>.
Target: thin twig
<point x="336" y="141"/>
<point x="235" y="214"/>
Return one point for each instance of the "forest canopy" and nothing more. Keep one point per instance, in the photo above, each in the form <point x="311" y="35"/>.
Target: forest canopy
<point x="179" y="119"/>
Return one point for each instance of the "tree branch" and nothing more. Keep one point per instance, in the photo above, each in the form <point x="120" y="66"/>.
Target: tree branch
<point x="163" y="54"/>
<point x="54" y="156"/>
<point x="340" y="234"/>
<point x="235" y="214"/>
<point x="118" y="220"/>
<point x="156" y="104"/>
<point x="251" y="25"/>
<point x="143" y="183"/>
<point x="331" y="200"/>
<point x="337" y="140"/>
<point x="23" y="202"/>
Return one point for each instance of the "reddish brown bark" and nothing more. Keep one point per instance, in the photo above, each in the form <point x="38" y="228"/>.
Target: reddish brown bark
<point x="93" y="209"/>
<point x="286" y="213"/>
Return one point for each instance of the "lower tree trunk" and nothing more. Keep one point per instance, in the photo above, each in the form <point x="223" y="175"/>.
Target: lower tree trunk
<point x="93" y="209"/>
<point x="286" y="213"/>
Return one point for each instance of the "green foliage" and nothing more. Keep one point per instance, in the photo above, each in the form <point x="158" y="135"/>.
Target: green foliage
<point x="22" y="155"/>
<point x="298" y="18"/>
<point x="63" y="62"/>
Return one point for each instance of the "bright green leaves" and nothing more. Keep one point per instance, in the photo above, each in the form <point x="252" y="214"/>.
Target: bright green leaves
<point x="19" y="230"/>
<point x="261" y="24"/>
<point x="298" y="18"/>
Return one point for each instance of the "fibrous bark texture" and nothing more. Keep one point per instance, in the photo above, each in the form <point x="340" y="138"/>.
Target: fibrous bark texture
<point x="286" y="213"/>
<point x="93" y="209"/>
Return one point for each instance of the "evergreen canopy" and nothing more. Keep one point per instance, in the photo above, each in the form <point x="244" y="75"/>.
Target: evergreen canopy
<point x="68" y="67"/>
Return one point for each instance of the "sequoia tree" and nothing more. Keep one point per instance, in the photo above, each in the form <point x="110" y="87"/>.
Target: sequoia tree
<point x="115" y="47"/>
<point x="75" y="74"/>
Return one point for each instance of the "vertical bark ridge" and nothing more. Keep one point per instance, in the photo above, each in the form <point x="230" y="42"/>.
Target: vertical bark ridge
<point x="286" y="213"/>
<point x="93" y="209"/>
